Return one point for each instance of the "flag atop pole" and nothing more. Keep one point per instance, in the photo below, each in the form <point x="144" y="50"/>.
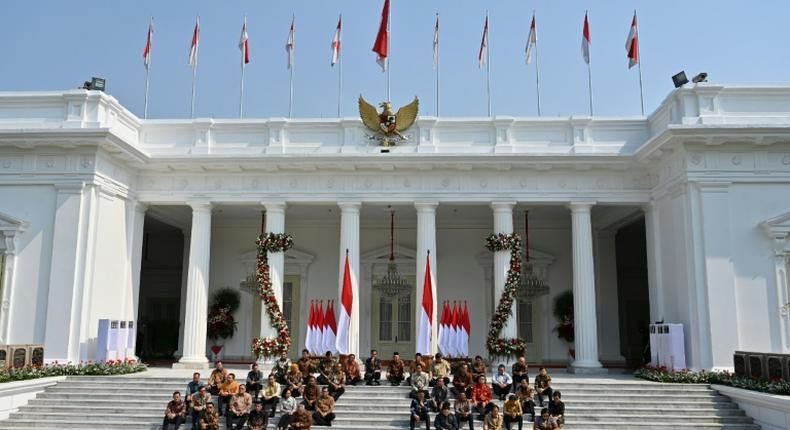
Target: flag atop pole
<point x="381" y="45"/>
<point x="330" y="328"/>
<point x="147" y="62"/>
<point x="632" y="47"/>
<point x="426" y="312"/>
<point x="193" y="62"/>
<point x="337" y="43"/>
<point x="586" y="43"/>
<point x="346" y="305"/>
<point x="244" y="47"/>
<point x="289" y="48"/>
<point x="482" y="56"/>
<point x="532" y="45"/>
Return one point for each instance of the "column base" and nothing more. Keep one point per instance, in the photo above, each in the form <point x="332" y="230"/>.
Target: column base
<point x="192" y="363"/>
<point x="587" y="370"/>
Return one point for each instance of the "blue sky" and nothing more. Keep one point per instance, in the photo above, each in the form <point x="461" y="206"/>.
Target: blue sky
<point x="53" y="45"/>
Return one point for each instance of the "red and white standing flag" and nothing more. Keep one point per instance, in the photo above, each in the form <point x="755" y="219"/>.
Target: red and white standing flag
<point x="632" y="44"/>
<point x="337" y="41"/>
<point x="466" y="331"/>
<point x="289" y="44"/>
<point x="586" y="40"/>
<point x="482" y="56"/>
<point x="381" y="45"/>
<point x="148" y="45"/>
<point x="244" y="44"/>
<point x="308" y="339"/>
<point x="346" y="305"/>
<point x="443" y="329"/>
<point x="532" y="40"/>
<point x="426" y="312"/>
<point x="193" y="49"/>
<point x="452" y="341"/>
<point x="330" y="328"/>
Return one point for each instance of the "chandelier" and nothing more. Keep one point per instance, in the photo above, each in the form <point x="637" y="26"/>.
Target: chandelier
<point x="531" y="285"/>
<point x="392" y="283"/>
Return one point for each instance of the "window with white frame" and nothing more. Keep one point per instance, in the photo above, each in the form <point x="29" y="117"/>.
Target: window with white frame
<point x="525" y="320"/>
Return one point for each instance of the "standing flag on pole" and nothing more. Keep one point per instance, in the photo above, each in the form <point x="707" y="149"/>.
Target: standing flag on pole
<point x="346" y="305"/>
<point x="426" y="312"/>
<point x="336" y="41"/>
<point x="318" y="340"/>
<point x="244" y="44"/>
<point x="193" y="49"/>
<point x="466" y="332"/>
<point x="482" y="56"/>
<point x="308" y="339"/>
<point x="436" y="43"/>
<point x="532" y="39"/>
<point x="632" y="44"/>
<point x="381" y="46"/>
<point x="330" y="328"/>
<point x="455" y="340"/>
<point x="289" y="45"/>
<point x="443" y="329"/>
<point x="586" y="41"/>
<point x="148" y="45"/>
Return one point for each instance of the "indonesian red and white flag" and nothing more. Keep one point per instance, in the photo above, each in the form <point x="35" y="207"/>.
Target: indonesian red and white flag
<point x="442" y="329"/>
<point x="244" y="44"/>
<point x="532" y="40"/>
<point x="337" y="41"/>
<point x="482" y="56"/>
<point x="426" y="312"/>
<point x="308" y="339"/>
<point x="452" y="340"/>
<point x="148" y="45"/>
<point x="586" y="41"/>
<point x="381" y="45"/>
<point x="289" y="44"/>
<point x="632" y="44"/>
<point x="436" y="43"/>
<point x="193" y="49"/>
<point x="318" y="339"/>
<point x="346" y="306"/>
<point x="330" y="328"/>
<point x="466" y="331"/>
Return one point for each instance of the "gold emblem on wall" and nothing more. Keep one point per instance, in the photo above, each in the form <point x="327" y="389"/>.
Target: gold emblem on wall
<point x="388" y="127"/>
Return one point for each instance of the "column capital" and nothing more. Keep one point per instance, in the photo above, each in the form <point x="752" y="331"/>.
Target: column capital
<point x="274" y="205"/>
<point x="349" y="205"/>
<point x="426" y="207"/>
<point x="200" y="205"/>
<point x="581" y="206"/>
<point x="503" y="206"/>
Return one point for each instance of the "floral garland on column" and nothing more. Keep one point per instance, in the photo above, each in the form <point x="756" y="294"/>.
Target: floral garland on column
<point x="271" y="347"/>
<point x="500" y="347"/>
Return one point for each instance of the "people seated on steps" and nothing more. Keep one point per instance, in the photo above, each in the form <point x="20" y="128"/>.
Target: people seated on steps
<point x="519" y="371"/>
<point x="479" y="368"/>
<point x="440" y="369"/>
<point x="439" y="395"/>
<point x="481" y="397"/>
<point x="419" y="382"/>
<point x="200" y="402"/>
<point x="337" y="382"/>
<point x="259" y="419"/>
<point x="445" y="419"/>
<point x="216" y="378"/>
<point x="501" y="382"/>
<point x="306" y="365"/>
<point x="526" y="395"/>
<point x="545" y="421"/>
<point x="302" y="419"/>
<point x="543" y="386"/>
<point x="352" y="371"/>
<point x="209" y="418"/>
<point x="254" y="382"/>
<point x="311" y="393"/>
<point x="324" y="409"/>
<point x="462" y="381"/>
<point x="175" y="412"/>
<point x="288" y="407"/>
<point x="373" y="369"/>
<point x="280" y="367"/>
<point x="464" y="410"/>
<point x="395" y="370"/>
<point x="418" y="360"/>
<point x="493" y="420"/>
<point x="294" y="381"/>
<point x="513" y="413"/>
<point x="557" y="408"/>
<point x="325" y="368"/>
<point x="419" y="412"/>
<point x="192" y="387"/>
<point x="239" y="410"/>
<point x="271" y="395"/>
<point x="227" y="390"/>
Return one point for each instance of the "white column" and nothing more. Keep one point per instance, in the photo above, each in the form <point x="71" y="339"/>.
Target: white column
<point x="584" y="310"/>
<point x="275" y="223"/>
<point x="135" y="218"/>
<point x="503" y="223"/>
<point x="349" y="240"/>
<point x="183" y="295"/>
<point x="194" y="351"/>
<point x="426" y="241"/>
<point x="653" y="248"/>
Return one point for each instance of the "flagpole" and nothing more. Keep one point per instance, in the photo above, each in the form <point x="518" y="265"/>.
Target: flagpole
<point x="291" y="76"/>
<point x="194" y="78"/>
<point x="340" y="70"/>
<point x="488" y="62"/>
<point x="438" y="44"/>
<point x="589" y="71"/>
<point x="639" y="65"/>
<point x="537" y="68"/>
<point x="389" y="38"/>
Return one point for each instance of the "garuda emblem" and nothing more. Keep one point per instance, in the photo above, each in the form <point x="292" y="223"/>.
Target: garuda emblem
<point x="388" y="126"/>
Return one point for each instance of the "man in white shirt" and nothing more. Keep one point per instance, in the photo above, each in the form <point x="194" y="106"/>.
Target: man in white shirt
<point x="501" y="383"/>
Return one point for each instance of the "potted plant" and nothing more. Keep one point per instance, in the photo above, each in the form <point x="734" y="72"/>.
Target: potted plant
<point x="563" y="312"/>
<point x="221" y="324"/>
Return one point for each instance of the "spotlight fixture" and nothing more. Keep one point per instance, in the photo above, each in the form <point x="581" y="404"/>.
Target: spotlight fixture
<point x="702" y="77"/>
<point x="680" y="79"/>
<point x="96" y="84"/>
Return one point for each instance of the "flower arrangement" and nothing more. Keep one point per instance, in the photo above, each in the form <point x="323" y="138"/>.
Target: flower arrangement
<point x="686" y="376"/>
<point x="221" y="324"/>
<point x="271" y="347"/>
<point x="496" y="346"/>
<point x="90" y="368"/>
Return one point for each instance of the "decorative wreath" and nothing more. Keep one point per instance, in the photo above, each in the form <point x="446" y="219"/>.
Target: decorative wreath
<point x="271" y="347"/>
<point x="501" y="347"/>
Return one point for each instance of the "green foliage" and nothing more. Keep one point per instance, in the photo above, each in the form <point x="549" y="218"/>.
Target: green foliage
<point x="685" y="376"/>
<point x="112" y="367"/>
<point x="563" y="313"/>
<point x="226" y="298"/>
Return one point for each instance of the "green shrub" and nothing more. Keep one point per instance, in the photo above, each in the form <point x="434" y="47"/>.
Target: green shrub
<point x="686" y="376"/>
<point x="111" y="367"/>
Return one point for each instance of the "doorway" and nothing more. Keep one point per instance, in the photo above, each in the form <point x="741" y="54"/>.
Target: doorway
<point x="392" y="328"/>
<point x="632" y="292"/>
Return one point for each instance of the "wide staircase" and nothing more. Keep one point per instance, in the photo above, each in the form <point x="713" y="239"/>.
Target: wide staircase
<point x="138" y="403"/>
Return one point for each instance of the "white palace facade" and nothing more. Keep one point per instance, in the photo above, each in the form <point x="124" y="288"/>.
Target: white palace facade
<point x="682" y="216"/>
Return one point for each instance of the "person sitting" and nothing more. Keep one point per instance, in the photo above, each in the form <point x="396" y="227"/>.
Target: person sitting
<point x="209" y="418"/>
<point x="337" y="382"/>
<point x="254" y="381"/>
<point x="258" y="419"/>
<point x="419" y="382"/>
<point x="543" y="385"/>
<point x="200" y="401"/>
<point x="325" y="368"/>
<point x="463" y="410"/>
<point x="481" y="397"/>
<point x="557" y="408"/>
<point x="439" y="394"/>
<point x="526" y="396"/>
<point x="217" y="378"/>
<point x="351" y="369"/>
<point x="395" y="370"/>
<point x="271" y="393"/>
<point x="281" y="366"/>
<point x="545" y="421"/>
<point x="501" y="382"/>
<point x="192" y="387"/>
<point x="373" y="369"/>
<point x="302" y="420"/>
<point x="513" y="412"/>
<point x="294" y="381"/>
<point x="175" y="412"/>
<point x="306" y="365"/>
<point x="239" y="410"/>
<point x="287" y="409"/>
<point x="493" y="420"/>
<point x="311" y="393"/>
<point x="418" y="360"/>
<point x="324" y="409"/>
<point x="445" y="420"/>
<point x="519" y="371"/>
<point x="228" y="389"/>
<point x="462" y="382"/>
<point x="479" y="368"/>
<point x="440" y="369"/>
<point x="419" y="412"/>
